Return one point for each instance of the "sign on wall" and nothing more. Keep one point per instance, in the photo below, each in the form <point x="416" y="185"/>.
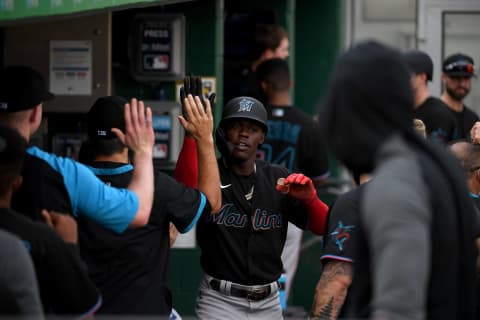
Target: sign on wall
<point x="71" y="67"/>
<point x="157" y="47"/>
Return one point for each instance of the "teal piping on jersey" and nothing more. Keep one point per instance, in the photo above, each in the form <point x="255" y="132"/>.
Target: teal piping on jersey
<point x="89" y="314"/>
<point x="475" y="196"/>
<point x="201" y="206"/>
<point x="322" y="177"/>
<point x="334" y="257"/>
<point x="111" y="171"/>
<point x="110" y="207"/>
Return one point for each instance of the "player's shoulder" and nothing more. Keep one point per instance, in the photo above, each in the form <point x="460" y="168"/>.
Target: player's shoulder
<point x="349" y="201"/>
<point x="271" y="169"/>
<point x="470" y="113"/>
<point x="60" y="164"/>
<point x="436" y="106"/>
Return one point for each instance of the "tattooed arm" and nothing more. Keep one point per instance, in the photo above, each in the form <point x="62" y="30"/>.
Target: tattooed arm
<point x="331" y="290"/>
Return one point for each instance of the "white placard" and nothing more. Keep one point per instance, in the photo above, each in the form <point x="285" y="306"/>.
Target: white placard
<point x="71" y="67"/>
<point x="185" y="240"/>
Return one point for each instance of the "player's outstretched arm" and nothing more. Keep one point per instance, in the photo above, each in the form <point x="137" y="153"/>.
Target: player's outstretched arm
<point x="199" y="123"/>
<point x="301" y="187"/>
<point x="186" y="169"/>
<point x="331" y="290"/>
<point x="139" y="137"/>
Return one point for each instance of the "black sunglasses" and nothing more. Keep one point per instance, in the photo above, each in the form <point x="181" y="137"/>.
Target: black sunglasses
<point x="460" y="66"/>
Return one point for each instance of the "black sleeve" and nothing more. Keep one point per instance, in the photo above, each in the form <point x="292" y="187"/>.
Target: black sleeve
<point x="312" y="155"/>
<point x="342" y="227"/>
<point x="182" y="205"/>
<point x="297" y="212"/>
<point x="71" y="291"/>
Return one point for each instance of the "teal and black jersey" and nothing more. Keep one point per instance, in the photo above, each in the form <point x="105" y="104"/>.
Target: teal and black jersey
<point x="63" y="185"/>
<point x="131" y="269"/>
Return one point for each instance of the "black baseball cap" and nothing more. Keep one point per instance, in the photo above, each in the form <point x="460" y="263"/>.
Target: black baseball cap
<point x="105" y="114"/>
<point x="22" y="88"/>
<point x="419" y="62"/>
<point x="459" y="65"/>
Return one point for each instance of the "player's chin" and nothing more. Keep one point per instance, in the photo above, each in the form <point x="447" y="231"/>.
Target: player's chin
<point x="242" y="155"/>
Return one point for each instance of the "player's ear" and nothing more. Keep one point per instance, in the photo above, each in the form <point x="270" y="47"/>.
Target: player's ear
<point x="263" y="138"/>
<point x="17" y="183"/>
<point x="264" y="86"/>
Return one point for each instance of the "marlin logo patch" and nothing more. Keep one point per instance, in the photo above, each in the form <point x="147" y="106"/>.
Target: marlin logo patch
<point x="341" y="234"/>
<point x="245" y="105"/>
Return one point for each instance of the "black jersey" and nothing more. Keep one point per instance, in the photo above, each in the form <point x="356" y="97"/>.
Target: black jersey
<point x="294" y="141"/>
<point x="244" y="241"/>
<point x="339" y="242"/>
<point x="464" y="121"/>
<point x="65" y="287"/>
<point x="342" y="227"/>
<point x="439" y="122"/>
<point x="131" y="269"/>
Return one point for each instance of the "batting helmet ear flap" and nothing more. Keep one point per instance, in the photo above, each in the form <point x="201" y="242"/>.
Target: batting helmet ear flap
<point x="223" y="146"/>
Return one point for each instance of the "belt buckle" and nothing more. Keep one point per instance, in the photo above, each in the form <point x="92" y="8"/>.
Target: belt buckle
<point x="257" y="294"/>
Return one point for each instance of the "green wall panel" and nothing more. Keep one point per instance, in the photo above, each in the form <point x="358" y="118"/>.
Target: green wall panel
<point x="317" y="45"/>
<point x="318" y="42"/>
<point x="18" y="9"/>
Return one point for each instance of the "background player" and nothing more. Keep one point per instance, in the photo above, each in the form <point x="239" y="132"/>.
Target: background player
<point x="438" y="120"/>
<point x="65" y="287"/>
<point x="293" y="141"/>
<point x="458" y="70"/>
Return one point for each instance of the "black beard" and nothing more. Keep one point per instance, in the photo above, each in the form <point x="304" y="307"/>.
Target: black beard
<point x="457" y="96"/>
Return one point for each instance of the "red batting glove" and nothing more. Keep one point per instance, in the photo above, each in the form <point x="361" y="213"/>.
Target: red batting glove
<point x="301" y="187"/>
<point x="298" y="186"/>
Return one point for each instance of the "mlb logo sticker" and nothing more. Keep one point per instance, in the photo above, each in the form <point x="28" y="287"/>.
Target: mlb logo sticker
<point x="245" y="105"/>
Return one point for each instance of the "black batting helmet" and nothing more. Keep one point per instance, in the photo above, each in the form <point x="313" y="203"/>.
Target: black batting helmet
<point x="240" y="108"/>
<point x="246" y="108"/>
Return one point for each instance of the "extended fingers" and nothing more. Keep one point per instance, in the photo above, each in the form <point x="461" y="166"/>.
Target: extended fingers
<point x="195" y="107"/>
<point x="134" y="114"/>
<point x="148" y="122"/>
<point x="141" y="114"/>
<point x="128" y="119"/>
<point x="208" y="109"/>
